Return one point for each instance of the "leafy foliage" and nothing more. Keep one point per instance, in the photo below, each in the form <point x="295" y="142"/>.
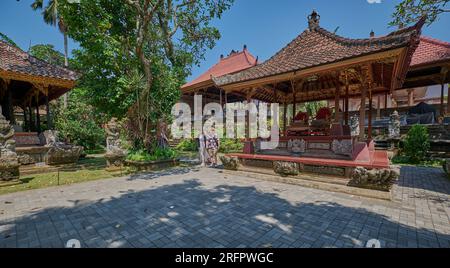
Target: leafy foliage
<point x="135" y="54"/>
<point x="8" y="40"/>
<point x="47" y="53"/>
<point x="187" y="145"/>
<point x="79" y="124"/>
<point x="416" y="144"/>
<point x="231" y="146"/>
<point x="313" y="107"/>
<point x="410" y="11"/>
<point x="157" y="155"/>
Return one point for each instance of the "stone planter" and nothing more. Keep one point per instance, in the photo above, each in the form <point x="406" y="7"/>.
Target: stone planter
<point x="9" y="170"/>
<point x="152" y="165"/>
<point x="115" y="160"/>
<point x="63" y="155"/>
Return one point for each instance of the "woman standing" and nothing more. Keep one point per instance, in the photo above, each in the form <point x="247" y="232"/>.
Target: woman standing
<point x="212" y="146"/>
<point x="202" y="150"/>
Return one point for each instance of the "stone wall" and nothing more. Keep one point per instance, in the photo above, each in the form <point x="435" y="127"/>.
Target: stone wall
<point x="376" y="179"/>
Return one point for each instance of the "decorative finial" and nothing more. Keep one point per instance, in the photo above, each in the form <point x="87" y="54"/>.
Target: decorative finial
<point x="372" y="34"/>
<point x="313" y="20"/>
<point x="245" y="47"/>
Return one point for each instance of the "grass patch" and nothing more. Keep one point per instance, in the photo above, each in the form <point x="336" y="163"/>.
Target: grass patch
<point x="406" y="161"/>
<point x="157" y="155"/>
<point x="88" y="169"/>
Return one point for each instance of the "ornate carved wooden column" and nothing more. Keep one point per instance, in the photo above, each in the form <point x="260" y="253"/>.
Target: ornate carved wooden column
<point x="49" y="118"/>
<point x="444" y="73"/>
<point x="337" y="96"/>
<point x="347" y="86"/>
<point x="385" y="104"/>
<point x="294" y="100"/>
<point x="285" y="117"/>
<point x="32" y="126"/>
<point x="366" y="81"/>
<point x="247" y="120"/>
<point x="379" y="107"/>
<point x="38" y="118"/>
<point x="369" y="130"/>
<point x="441" y="107"/>
<point x="12" y="118"/>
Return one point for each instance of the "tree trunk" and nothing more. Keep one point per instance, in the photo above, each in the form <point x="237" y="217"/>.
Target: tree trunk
<point x="66" y="64"/>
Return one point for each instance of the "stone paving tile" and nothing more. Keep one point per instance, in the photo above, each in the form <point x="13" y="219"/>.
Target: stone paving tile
<point x="207" y="208"/>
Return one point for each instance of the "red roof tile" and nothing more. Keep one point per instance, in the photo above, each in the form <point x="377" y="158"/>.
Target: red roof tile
<point x="13" y="59"/>
<point x="235" y="62"/>
<point x="317" y="46"/>
<point x="430" y="51"/>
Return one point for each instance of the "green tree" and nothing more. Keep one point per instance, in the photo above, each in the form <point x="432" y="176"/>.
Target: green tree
<point x="80" y="124"/>
<point x="47" y="53"/>
<point x="135" y="56"/>
<point x="8" y="40"/>
<point x="410" y="11"/>
<point x="53" y="17"/>
<point x="417" y="143"/>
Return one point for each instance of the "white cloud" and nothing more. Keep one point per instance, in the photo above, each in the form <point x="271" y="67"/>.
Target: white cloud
<point x="374" y="1"/>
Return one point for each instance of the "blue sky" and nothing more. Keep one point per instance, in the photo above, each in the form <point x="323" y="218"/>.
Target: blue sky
<point x="264" y="26"/>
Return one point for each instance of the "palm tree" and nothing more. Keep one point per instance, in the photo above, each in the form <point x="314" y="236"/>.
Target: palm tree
<point x="52" y="17"/>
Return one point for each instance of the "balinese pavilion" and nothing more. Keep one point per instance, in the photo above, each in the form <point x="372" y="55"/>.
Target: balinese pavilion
<point x="319" y="65"/>
<point x="27" y="86"/>
<point x="235" y="62"/>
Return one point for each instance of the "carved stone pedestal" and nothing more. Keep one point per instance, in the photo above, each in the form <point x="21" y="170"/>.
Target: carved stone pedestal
<point x="115" y="159"/>
<point x="59" y="152"/>
<point x="115" y="155"/>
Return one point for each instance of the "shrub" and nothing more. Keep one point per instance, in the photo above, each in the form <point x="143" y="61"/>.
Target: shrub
<point x="187" y="145"/>
<point x="231" y="146"/>
<point x="416" y="144"/>
<point x="157" y="155"/>
<point x="78" y="125"/>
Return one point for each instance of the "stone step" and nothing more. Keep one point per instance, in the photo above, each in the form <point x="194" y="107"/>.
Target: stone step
<point x="304" y="176"/>
<point x="332" y="187"/>
<point x="36" y="169"/>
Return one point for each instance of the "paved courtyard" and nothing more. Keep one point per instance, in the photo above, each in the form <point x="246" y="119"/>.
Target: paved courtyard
<point x="207" y="208"/>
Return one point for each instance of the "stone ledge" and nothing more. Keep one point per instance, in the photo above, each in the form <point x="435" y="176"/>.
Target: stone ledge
<point x="315" y="185"/>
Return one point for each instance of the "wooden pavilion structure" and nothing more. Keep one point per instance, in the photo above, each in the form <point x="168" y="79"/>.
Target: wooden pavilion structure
<point x="235" y="62"/>
<point x="320" y="65"/>
<point x="430" y="65"/>
<point x="30" y="83"/>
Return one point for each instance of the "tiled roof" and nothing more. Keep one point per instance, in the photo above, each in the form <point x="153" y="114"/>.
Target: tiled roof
<point x="235" y="62"/>
<point x="13" y="59"/>
<point x="317" y="46"/>
<point x="430" y="51"/>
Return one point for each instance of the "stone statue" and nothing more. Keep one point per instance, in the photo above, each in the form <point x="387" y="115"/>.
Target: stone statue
<point x="59" y="152"/>
<point x="115" y="154"/>
<point x="354" y="126"/>
<point x="9" y="163"/>
<point x="394" y="125"/>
